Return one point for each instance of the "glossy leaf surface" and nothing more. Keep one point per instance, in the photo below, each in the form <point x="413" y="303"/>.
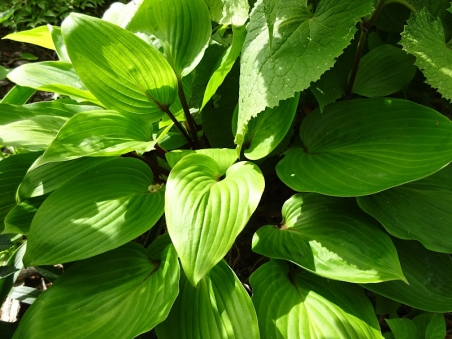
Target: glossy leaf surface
<point x="18" y="95"/>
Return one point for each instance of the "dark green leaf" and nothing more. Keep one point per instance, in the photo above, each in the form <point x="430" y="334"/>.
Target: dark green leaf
<point x="403" y="328"/>
<point x="19" y="219"/>
<point x="14" y="261"/>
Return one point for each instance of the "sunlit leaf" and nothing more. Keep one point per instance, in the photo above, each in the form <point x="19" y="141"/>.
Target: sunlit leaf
<point x="37" y="36"/>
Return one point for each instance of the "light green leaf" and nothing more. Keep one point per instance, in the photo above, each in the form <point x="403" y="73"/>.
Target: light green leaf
<point x="419" y="210"/>
<point x="120" y="14"/>
<point x="120" y="69"/>
<point x="182" y="26"/>
<point x="330" y="237"/>
<point x="52" y="76"/>
<point x="18" y="95"/>
<point x="428" y="275"/>
<point x="15" y="261"/>
<point x="37" y="36"/>
<point x="219" y="308"/>
<point x="363" y="146"/>
<point x="403" y="328"/>
<point x="270" y="11"/>
<point x="424" y="38"/>
<point x="97" y="211"/>
<point x="57" y="39"/>
<point x="34" y="126"/>
<point x="124" y="284"/>
<point x="304" y="46"/>
<point x="19" y="219"/>
<point x="383" y="71"/>
<point x="431" y="325"/>
<point x="294" y="304"/>
<point x="5" y="15"/>
<point x="99" y="133"/>
<point x="227" y="12"/>
<point x="204" y="214"/>
<point x="269" y="128"/>
<point x="224" y="157"/>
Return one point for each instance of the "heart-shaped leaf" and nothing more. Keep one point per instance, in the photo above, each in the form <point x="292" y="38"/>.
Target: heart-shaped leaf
<point x="205" y="214"/>
<point x="363" y="146"/>
<point x="99" y="210"/>
<point x="332" y="238"/>
<point x="294" y="304"/>
<point x="218" y="308"/>
<point x="121" y="70"/>
<point x="124" y="284"/>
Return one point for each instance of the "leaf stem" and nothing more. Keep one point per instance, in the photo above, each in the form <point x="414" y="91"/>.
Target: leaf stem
<point x="156" y="169"/>
<point x="178" y="125"/>
<point x="191" y="123"/>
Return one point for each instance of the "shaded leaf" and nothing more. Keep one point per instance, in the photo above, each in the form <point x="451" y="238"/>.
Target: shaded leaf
<point x="431" y="325"/>
<point x="18" y="95"/>
<point x="403" y="328"/>
<point x="15" y="261"/>
<point x="227" y="12"/>
<point x="24" y="294"/>
<point x="57" y="39"/>
<point x="18" y="220"/>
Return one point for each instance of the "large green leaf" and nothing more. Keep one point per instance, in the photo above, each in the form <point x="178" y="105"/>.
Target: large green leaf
<point x="424" y="38"/>
<point x="205" y="214"/>
<point x="19" y="219"/>
<point x="118" y="294"/>
<point x="227" y="12"/>
<point x="363" y="146"/>
<point x="101" y="209"/>
<point x="99" y="133"/>
<point x="182" y="26"/>
<point x="38" y="36"/>
<point x="120" y="69"/>
<point x="34" y="126"/>
<point x="419" y="210"/>
<point x="428" y="275"/>
<point x="52" y="76"/>
<point x="332" y="238"/>
<point x="219" y="308"/>
<point x="304" y="45"/>
<point x="294" y="304"/>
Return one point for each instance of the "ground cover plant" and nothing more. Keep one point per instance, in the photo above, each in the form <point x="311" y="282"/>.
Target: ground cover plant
<point x="321" y="128"/>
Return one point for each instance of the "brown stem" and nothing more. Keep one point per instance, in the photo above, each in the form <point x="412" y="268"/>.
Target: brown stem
<point x="151" y="163"/>
<point x="160" y="151"/>
<point x="179" y="126"/>
<point x="191" y="123"/>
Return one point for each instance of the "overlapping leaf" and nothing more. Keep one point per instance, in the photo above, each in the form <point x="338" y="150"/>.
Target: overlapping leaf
<point x="205" y="214"/>
<point x="19" y="219"/>
<point x="15" y="264"/>
<point x="18" y="95"/>
<point x="293" y="304"/>
<point x="124" y="284"/>
<point x="364" y="146"/>
<point x="101" y="209"/>
<point x="219" y="308"/>
<point x="227" y="12"/>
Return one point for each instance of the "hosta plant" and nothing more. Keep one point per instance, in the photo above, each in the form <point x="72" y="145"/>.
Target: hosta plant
<point x="219" y="169"/>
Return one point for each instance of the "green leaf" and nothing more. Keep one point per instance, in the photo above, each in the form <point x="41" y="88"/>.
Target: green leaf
<point x="120" y="69"/>
<point x="34" y="126"/>
<point x="5" y="15"/>
<point x="24" y="294"/>
<point x="4" y="72"/>
<point x="383" y="71"/>
<point x="363" y="146"/>
<point x="403" y="328"/>
<point x="428" y="275"/>
<point x="204" y="214"/>
<point x="330" y="237"/>
<point x="431" y="325"/>
<point x="293" y="304"/>
<point x="51" y="76"/>
<point x="225" y="158"/>
<point x="418" y="210"/>
<point x="18" y="95"/>
<point x="57" y="39"/>
<point x="15" y="261"/>
<point x="270" y="11"/>
<point x="19" y="219"/>
<point x="124" y="284"/>
<point x="182" y="26"/>
<point x="99" y="133"/>
<point x="227" y="12"/>
<point x="95" y="212"/>
<point x="5" y="243"/>
<point x="219" y="308"/>
<point x="424" y="38"/>
<point x="120" y="14"/>
<point x="304" y="45"/>
<point x="37" y="36"/>
<point x="269" y="128"/>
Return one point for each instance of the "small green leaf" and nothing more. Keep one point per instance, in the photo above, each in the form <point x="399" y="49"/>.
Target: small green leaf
<point x="294" y="304"/>
<point x="37" y="36"/>
<point x="57" y="39"/>
<point x="15" y="261"/>
<point x="5" y="15"/>
<point x="5" y="242"/>
<point x="97" y="211"/>
<point x="205" y="214"/>
<point x="363" y="146"/>
<point x="124" y="284"/>
<point x="4" y="72"/>
<point x="18" y="95"/>
<point x="219" y="308"/>
<point x="403" y="328"/>
<point x="431" y="325"/>
<point x="19" y="219"/>
<point x="227" y="12"/>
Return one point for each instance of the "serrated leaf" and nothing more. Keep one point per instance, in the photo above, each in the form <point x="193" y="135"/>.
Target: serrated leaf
<point x="18" y="220"/>
<point x="364" y="146"/>
<point x="428" y="275"/>
<point x="383" y="71"/>
<point x="37" y="36"/>
<point x="204" y="214"/>
<point x="269" y="128"/>
<point x="182" y="26"/>
<point x="124" y="284"/>
<point x="18" y="95"/>
<point x="34" y="126"/>
<point x="120" y="69"/>
<point x="99" y="134"/>
<point x="418" y="210"/>
<point x="293" y="304"/>
<point x="303" y="47"/>
<point x="219" y="308"/>
<point x="95" y="212"/>
<point x="424" y="38"/>
<point x="52" y="76"/>
<point x="227" y="12"/>
<point x="330" y="237"/>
